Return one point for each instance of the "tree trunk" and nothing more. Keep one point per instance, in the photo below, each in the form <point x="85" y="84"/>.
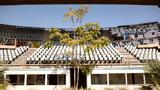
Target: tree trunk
<point x="74" y="84"/>
<point x="77" y="77"/>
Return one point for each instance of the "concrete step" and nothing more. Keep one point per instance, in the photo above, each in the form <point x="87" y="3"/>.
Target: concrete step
<point x="22" y="59"/>
<point x="127" y="56"/>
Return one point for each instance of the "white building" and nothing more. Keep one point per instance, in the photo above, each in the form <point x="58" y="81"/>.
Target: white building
<point x="114" y="67"/>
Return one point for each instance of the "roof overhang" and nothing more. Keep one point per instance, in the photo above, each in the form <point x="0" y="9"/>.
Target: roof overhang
<point x="28" y="2"/>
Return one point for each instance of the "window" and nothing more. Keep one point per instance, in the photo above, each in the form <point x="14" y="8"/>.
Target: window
<point x="56" y="79"/>
<point x="116" y="78"/>
<point x="16" y="79"/>
<point x="99" y="79"/>
<point x="135" y="78"/>
<point x="35" y="79"/>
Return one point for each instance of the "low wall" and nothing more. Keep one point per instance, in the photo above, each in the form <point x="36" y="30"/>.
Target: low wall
<point x="37" y="87"/>
<point x="115" y="87"/>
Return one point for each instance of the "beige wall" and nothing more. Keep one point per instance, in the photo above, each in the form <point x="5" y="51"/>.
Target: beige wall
<point x="45" y="36"/>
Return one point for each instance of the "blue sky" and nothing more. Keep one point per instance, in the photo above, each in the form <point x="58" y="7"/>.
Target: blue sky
<point x="52" y="15"/>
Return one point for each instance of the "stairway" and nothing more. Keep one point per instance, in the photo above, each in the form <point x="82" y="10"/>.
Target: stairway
<point x="22" y="59"/>
<point x="128" y="58"/>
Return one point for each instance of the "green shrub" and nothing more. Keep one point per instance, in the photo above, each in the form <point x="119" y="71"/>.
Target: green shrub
<point x="35" y="44"/>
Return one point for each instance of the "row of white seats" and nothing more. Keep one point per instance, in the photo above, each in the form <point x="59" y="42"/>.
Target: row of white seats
<point x="8" y="55"/>
<point x="143" y="54"/>
<point x="59" y="52"/>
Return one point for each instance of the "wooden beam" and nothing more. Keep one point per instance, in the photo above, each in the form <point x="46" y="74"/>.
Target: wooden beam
<point x="93" y="64"/>
<point x="102" y="62"/>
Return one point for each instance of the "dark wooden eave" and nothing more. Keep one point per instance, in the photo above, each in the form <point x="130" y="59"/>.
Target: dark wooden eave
<point x="28" y="2"/>
<point x="47" y="65"/>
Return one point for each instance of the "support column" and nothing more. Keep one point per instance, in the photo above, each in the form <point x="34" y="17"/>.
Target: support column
<point x="144" y="79"/>
<point x="89" y="80"/>
<point x="108" y="79"/>
<point x="5" y="76"/>
<point x="46" y="79"/>
<point x="68" y="83"/>
<point x="126" y="79"/>
<point x="25" y="79"/>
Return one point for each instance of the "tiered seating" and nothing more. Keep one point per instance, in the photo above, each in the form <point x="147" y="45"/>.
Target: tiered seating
<point x="21" y="33"/>
<point x="133" y="29"/>
<point x="143" y="54"/>
<point x="124" y="43"/>
<point x="59" y="52"/>
<point x="142" y="32"/>
<point x="8" y="55"/>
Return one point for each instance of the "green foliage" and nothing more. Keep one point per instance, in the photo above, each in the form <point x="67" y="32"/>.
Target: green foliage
<point x="1" y="77"/>
<point x="153" y="69"/>
<point x="3" y="85"/>
<point x="1" y="74"/>
<point x="76" y="15"/>
<point x="54" y="33"/>
<point x="88" y="35"/>
<point x="86" y="69"/>
<point x="35" y="44"/>
<point x="49" y="44"/>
